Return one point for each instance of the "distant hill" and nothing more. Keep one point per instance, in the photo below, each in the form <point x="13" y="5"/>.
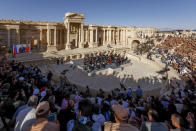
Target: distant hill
<point x="168" y="29"/>
<point x="165" y="29"/>
<point x="172" y="29"/>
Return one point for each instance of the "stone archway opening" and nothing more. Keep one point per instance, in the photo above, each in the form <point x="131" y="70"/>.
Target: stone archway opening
<point x="134" y="45"/>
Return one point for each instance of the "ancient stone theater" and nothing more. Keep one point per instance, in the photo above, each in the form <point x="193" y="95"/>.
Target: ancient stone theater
<point x="72" y="34"/>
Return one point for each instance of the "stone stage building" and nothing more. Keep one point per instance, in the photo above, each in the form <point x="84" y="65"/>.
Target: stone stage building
<point x="73" y="33"/>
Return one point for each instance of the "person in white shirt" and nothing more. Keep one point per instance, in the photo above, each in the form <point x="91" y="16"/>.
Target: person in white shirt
<point x="27" y="116"/>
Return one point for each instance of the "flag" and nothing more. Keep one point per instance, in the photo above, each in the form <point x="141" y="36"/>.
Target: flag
<point x="15" y="49"/>
<point x="27" y="48"/>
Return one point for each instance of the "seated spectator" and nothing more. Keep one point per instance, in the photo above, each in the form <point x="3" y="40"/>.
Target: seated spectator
<point x="178" y="123"/>
<point x="191" y="120"/>
<point x="98" y="119"/>
<point x="66" y="115"/>
<point x="83" y="122"/>
<point x="135" y="118"/>
<point x="106" y="111"/>
<point x="51" y="101"/>
<point x="153" y="124"/>
<point x="65" y="101"/>
<point x="42" y="123"/>
<point x="26" y="117"/>
<point x="121" y="119"/>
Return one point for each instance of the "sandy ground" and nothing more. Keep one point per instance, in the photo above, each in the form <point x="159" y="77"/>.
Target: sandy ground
<point x="138" y="71"/>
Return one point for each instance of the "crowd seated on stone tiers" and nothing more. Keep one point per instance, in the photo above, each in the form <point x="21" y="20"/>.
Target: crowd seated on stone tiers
<point x="179" y="53"/>
<point x="31" y="101"/>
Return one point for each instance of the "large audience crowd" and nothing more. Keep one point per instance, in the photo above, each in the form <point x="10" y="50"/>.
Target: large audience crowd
<point x="180" y="52"/>
<point x="177" y="52"/>
<point x="31" y="101"/>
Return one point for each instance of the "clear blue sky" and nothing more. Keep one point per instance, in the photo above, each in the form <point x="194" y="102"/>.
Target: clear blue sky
<point x="156" y="13"/>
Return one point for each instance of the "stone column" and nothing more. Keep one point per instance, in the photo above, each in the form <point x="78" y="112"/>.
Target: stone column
<point x="55" y="36"/>
<point x="119" y="36"/>
<point x="40" y="38"/>
<point x="81" y="45"/>
<point x="125" y="36"/>
<point x="64" y="39"/>
<point x="96" y="36"/>
<point x="8" y="38"/>
<point x="79" y="38"/>
<point x="61" y="36"/>
<point x="18" y="35"/>
<point x="110" y="36"/>
<point x="109" y="40"/>
<point x="104" y="37"/>
<point x="48" y="36"/>
<point x="115" y="35"/>
<point x="68" y="45"/>
<point x="113" y="42"/>
<point x="107" y="36"/>
<point x="91" y="38"/>
<point x="86" y="35"/>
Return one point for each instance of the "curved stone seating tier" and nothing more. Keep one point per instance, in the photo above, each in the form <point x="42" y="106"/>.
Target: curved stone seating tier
<point x="68" y="58"/>
<point x="53" y="59"/>
<point x="65" y="58"/>
<point x="71" y="57"/>
<point x="92" y="54"/>
<point x="82" y="55"/>
<point x="74" y="57"/>
<point x="96" y="53"/>
<point x="37" y="61"/>
<point x="79" y="56"/>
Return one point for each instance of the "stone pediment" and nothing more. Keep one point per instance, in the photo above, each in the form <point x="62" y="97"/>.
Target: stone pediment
<point x="71" y="15"/>
<point x="74" y="17"/>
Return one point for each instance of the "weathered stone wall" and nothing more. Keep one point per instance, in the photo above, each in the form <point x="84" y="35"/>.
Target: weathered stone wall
<point x="68" y="35"/>
<point x="3" y="37"/>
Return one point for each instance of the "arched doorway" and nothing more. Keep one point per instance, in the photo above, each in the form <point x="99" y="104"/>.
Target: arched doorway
<point x="134" y="45"/>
